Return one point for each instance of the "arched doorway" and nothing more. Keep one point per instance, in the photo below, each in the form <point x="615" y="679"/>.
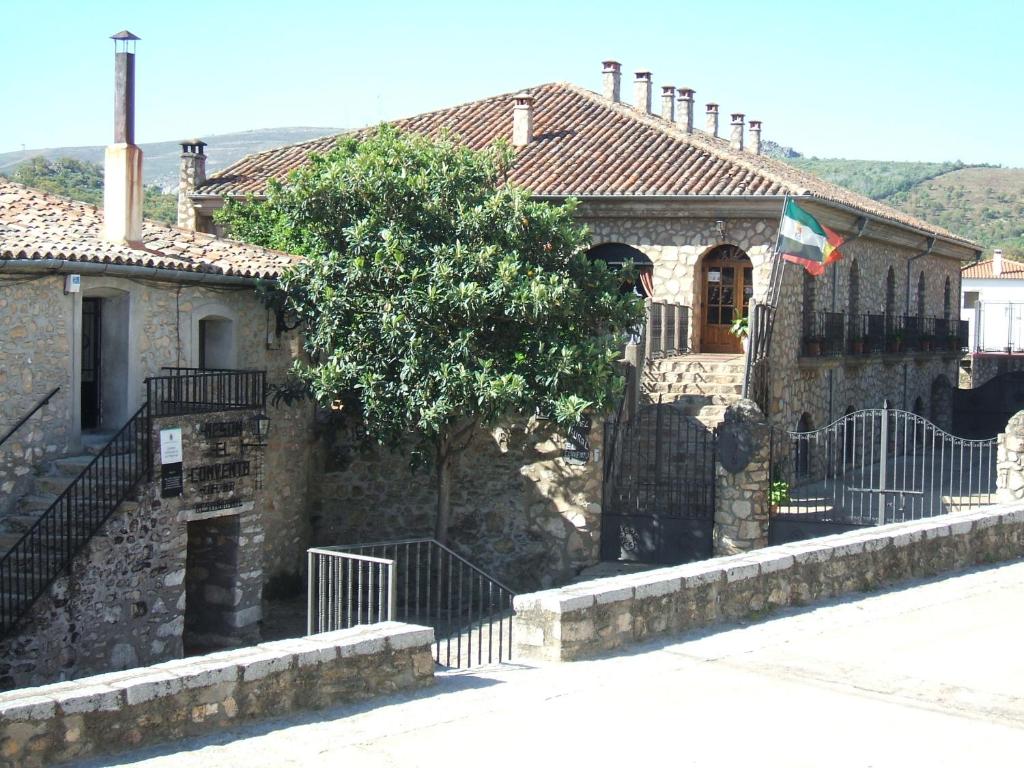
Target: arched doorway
<point x="615" y="255"/>
<point x="727" y="280"/>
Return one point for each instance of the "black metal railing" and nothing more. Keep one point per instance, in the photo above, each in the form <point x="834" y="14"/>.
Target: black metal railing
<point x="28" y="415"/>
<point x="757" y="372"/>
<point x="834" y="333"/>
<point x="470" y="611"/>
<point x="667" y="329"/>
<point x="196" y="390"/>
<point x="47" y="548"/>
<point x="824" y="334"/>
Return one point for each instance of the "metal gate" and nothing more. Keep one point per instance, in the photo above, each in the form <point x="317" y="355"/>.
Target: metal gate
<point x="659" y="490"/>
<point x="872" y="467"/>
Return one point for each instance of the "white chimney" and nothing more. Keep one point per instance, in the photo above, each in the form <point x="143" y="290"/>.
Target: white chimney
<point x="712" y="124"/>
<point x="522" y="120"/>
<point x="668" y="103"/>
<point x="997" y="262"/>
<point x="122" y="163"/>
<point x="612" y="80"/>
<point x="736" y="141"/>
<point x="754" y="129"/>
<point x="684" y="113"/>
<point x="642" y="92"/>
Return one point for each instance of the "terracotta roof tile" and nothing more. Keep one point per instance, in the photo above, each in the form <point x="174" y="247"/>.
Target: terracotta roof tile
<point x="38" y="225"/>
<point x="1012" y="270"/>
<point x="584" y="145"/>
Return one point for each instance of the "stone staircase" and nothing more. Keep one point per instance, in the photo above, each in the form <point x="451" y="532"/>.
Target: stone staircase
<point x="52" y="480"/>
<point x="700" y="385"/>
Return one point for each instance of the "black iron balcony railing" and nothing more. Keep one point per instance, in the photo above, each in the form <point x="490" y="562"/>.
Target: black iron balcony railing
<point x="834" y="333"/>
<point x="824" y="334"/>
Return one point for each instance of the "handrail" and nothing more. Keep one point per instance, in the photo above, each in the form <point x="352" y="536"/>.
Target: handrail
<point x="28" y="415"/>
<point x="48" y="547"/>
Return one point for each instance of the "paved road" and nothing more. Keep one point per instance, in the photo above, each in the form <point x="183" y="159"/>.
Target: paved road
<point x="931" y="675"/>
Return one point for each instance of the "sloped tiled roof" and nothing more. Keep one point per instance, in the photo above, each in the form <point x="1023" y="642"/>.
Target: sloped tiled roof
<point x="1012" y="270"/>
<point x="39" y="225"/>
<point x="586" y="145"/>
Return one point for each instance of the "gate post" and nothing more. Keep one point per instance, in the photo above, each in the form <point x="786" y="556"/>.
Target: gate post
<point x="1010" y="462"/>
<point x="742" y="470"/>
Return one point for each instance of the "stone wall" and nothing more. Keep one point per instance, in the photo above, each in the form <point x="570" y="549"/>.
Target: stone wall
<point x="125" y="710"/>
<point x="1010" y="462"/>
<point x="741" y="492"/>
<point x="587" y="619"/>
<point x="41" y="351"/>
<point x="519" y="510"/>
<point x="985" y="367"/>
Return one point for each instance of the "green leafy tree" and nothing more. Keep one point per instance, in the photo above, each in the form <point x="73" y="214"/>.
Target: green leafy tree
<point x="434" y="297"/>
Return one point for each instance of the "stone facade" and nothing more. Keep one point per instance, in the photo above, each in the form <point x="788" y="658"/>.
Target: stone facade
<point x="1010" y="462"/>
<point x="985" y="367"/>
<point x="519" y="510"/>
<point x="121" y="711"/>
<point x="585" y="620"/>
<point x="741" y="496"/>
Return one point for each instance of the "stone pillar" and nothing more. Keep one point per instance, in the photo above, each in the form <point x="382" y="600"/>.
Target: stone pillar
<point x="191" y="173"/>
<point x="1010" y="462"/>
<point x="741" y="480"/>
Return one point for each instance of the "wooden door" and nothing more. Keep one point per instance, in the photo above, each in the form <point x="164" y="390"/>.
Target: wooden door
<point x="728" y="286"/>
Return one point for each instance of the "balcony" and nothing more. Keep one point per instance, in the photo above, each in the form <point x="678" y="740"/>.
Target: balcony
<point x="854" y="338"/>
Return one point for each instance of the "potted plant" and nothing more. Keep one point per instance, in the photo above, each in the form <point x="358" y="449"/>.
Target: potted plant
<point x="926" y="341"/>
<point x="814" y="346"/>
<point x="778" y="495"/>
<point x="741" y="330"/>
<point x="856" y="345"/>
<point x="893" y="342"/>
<point x="953" y="342"/>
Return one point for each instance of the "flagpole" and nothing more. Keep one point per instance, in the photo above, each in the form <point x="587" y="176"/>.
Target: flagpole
<point x="778" y="264"/>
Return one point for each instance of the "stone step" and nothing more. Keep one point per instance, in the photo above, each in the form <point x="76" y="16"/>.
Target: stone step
<point x="73" y="465"/>
<point x="707" y="378"/>
<point x="94" y="442"/>
<point x="697" y="388"/>
<point x="35" y="502"/>
<point x="681" y="365"/>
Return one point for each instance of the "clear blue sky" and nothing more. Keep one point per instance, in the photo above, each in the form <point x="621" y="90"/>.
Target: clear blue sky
<point x="892" y="80"/>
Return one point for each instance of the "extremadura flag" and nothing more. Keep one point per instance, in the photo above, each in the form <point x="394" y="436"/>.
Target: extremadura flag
<point x="803" y="240"/>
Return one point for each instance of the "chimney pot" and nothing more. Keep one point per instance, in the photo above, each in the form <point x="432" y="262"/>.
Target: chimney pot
<point x="997" y="262"/>
<point x="642" y="92"/>
<point x="684" y="114"/>
<point x="612" y="80"/>
<point x="754" y="129"/>
<point x="522" y="120"/>
<point x="668" y="103"/>
<point x="712" y="124"/>
<point x="122" y="162"/>
<point x="736" y="141"/>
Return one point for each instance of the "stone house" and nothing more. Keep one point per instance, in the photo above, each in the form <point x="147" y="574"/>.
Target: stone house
<point x="107" y="316"/>
<point x="698" y="210"/>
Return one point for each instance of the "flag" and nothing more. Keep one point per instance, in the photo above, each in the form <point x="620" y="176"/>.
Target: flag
<point x="803" y="240"/>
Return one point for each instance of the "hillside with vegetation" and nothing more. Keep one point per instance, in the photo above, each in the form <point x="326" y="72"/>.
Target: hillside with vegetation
<point x="983" y="203"/>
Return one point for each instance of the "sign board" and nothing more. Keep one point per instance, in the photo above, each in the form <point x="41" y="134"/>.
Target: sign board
<point x="170" y="446"/>
<point x="172" y="481"/>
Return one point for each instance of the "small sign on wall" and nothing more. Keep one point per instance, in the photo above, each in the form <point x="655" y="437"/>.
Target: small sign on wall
<point x="171" y="476"/>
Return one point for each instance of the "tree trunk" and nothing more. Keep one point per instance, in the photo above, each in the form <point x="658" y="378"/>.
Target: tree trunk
<point x="444" y="488"/>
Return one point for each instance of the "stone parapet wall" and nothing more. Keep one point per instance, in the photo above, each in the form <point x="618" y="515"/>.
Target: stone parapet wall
<point x="203" y="695"/>
<point x="587" y="619"/>
<point x="985" y="367"/>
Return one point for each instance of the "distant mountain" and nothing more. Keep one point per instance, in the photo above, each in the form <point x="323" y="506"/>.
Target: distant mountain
<point x="983" y="203"/>
<point x="161" y="158"/>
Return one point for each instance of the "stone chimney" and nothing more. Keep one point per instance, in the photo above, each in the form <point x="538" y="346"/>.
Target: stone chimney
<point x="522" y="120"/>
<point x="712" y="124"/>
<point x="754" y="128"/>
<point x="612" y="80"/>
<point x="642" y="92"/>
<point x="191" y="173"/>
<point x="736" y="140"/>
<point x="668" y="103"/>
<point x="122" y="163"/>
<point x="997" y="262"/>
<point x="684" y="112"/>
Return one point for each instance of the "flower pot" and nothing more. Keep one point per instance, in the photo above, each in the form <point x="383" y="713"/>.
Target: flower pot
<point x="926" y="345"/>
<point x="812" y="348"/>
<point x="893" y="346"/>
<point x="857" y="347"/>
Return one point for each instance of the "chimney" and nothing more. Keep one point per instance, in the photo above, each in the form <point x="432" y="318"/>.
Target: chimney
<point x="522" y="120"/>
<point x="612" y="79"/>
<point x="712" y="125"/>
<point x="755" y="137"/>
<point x="642" y="92"/>
<point x="997" y="262"/>
<point x="668" y="103"/>
<point x="191" y="173"/>
<point x="122" y="164"/>
<point x="736" y="141"/>
<point x="684" y="113"/>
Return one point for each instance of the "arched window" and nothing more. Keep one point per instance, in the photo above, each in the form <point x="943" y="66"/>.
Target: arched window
<point x="808" y="295"/>
<point x="920" y="295"/>
<point x="615" y="255"/>
<point x="890" y="292"/>
<point x="946" y="298"/>
<point x="216" y="342"/>
<point x="854" y="322"/>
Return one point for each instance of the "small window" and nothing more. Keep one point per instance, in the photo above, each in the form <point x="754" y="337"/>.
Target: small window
<point x="970" y="299"/>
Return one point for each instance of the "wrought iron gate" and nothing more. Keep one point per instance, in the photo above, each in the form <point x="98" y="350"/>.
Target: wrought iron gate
<point x="872" y="467"/>
<point x="659" y="489"/>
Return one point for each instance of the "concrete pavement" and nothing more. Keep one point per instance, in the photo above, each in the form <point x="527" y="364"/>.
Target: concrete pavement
<point x="931" y="674"/>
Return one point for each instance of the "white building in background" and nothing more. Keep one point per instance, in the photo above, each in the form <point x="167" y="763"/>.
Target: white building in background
<point x="993" y="304"/>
